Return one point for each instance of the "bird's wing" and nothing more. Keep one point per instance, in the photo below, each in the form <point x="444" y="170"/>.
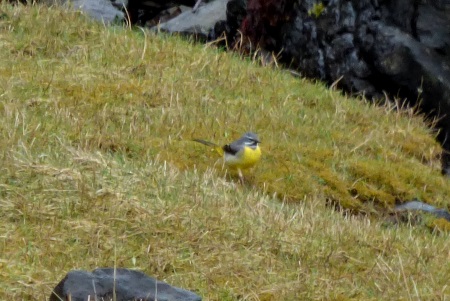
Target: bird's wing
<point x="233" y="147"/>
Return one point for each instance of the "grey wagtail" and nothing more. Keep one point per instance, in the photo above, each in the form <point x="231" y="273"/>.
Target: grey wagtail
<point x="239" y="155"/>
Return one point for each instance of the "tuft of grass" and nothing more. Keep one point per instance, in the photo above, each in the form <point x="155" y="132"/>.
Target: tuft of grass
<point x="98" y="169"/>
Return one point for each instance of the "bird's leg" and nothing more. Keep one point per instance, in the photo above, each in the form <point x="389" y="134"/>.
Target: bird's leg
<point x="241" y="176"/>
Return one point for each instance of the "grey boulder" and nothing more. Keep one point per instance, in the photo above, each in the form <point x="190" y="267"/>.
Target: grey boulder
<point x="117" y="284"/>
<point x="106" y="11"/>
<point x="198" y="23"/>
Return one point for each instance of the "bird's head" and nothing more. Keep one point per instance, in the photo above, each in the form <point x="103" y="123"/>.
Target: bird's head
<point x="251" y="139"/>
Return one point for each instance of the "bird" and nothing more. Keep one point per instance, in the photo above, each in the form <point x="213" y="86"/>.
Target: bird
<point x="242" y="154"/>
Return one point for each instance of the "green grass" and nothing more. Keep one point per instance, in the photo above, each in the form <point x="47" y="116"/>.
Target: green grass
<point x="98" y="169"/>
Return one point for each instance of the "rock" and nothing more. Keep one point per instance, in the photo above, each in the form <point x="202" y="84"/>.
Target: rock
<point x="235" y="14"/>
<point x="127" y="284"/>
<point x="199" y="23"/>
<point x="417" y="205"/>
<point x="433" y="29"/>
<point x="142" y="12"/>
<point x="166" y="15"/>
<point x="101" y="10"/>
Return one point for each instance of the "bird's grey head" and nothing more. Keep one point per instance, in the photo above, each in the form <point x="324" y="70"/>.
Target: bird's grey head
<point x="251" y="138"/>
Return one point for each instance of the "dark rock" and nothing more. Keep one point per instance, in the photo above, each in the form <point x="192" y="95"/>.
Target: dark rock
<point x="143" y="11"/>
<point x="433" y="29"/>
<point x="235" y="13"/>
<point x="140" y="12"/>
<point x="117" y="284"/>
<point x="166" y="15"/>
<point x="401" y="14"/>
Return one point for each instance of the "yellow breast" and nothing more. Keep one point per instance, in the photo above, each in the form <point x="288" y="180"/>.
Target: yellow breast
<point x="244" y="159"/>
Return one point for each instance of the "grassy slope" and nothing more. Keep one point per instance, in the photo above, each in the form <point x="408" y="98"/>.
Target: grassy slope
<point x="97" y="169"/>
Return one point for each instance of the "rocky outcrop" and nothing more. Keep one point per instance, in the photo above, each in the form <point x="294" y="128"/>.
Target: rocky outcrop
<point x="117" y="284"/>
<point x="370" y="47"/>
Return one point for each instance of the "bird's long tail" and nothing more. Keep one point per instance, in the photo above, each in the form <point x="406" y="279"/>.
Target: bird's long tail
<point x="216" y="147"/>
